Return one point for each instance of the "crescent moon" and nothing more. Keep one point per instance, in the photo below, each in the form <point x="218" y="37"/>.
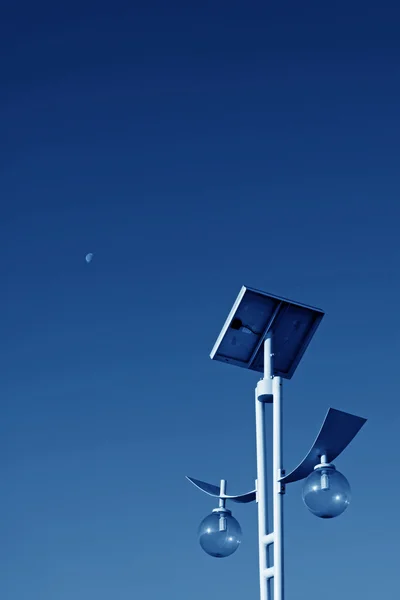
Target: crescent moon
<point x="89" y="257"/>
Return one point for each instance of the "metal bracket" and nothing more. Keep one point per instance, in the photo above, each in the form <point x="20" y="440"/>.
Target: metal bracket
<point x="282" y="486"/>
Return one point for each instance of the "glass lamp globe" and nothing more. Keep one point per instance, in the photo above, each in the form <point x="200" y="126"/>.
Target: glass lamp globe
<point x="220" y="533"/>
<point x="326" y="492"/>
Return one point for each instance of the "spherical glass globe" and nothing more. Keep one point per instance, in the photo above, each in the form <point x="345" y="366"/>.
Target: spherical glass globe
<point x="220" y="534"/>
<point x="326" y="492"/>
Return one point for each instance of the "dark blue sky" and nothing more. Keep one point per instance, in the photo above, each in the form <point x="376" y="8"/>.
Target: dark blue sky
<point x="193" y="147"/>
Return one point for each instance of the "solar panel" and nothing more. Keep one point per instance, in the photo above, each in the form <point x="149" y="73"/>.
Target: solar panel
<point x="253" y="315"/>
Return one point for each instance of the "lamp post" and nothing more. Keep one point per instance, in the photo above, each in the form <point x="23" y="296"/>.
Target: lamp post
<point x="270" y="334"/>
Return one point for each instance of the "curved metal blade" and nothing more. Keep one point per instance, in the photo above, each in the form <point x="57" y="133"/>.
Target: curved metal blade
<point x="337" y="431"/>
<point x="207" y="488"/>
<point x="215" y="491"/>
<point x="243" y="498"/>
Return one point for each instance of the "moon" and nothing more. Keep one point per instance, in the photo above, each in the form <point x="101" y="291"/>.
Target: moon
<point x="89" y="257"/>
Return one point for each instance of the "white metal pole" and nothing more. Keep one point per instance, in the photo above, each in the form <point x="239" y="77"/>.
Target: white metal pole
<point x="278" y="490"/>
<point x="222" y="502"/>
<point x="262" y="497"/>
<point x="262" y="494"/>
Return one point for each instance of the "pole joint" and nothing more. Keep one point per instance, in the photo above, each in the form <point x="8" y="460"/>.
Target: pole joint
<point x="269" y="572"/>
<point x="268" y="539"/>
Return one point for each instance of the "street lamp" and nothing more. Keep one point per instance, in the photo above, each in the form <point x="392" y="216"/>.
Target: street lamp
<point x="326" y="492"/>
<point x="269" y="334"/>
<point x="219" y="533"/>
